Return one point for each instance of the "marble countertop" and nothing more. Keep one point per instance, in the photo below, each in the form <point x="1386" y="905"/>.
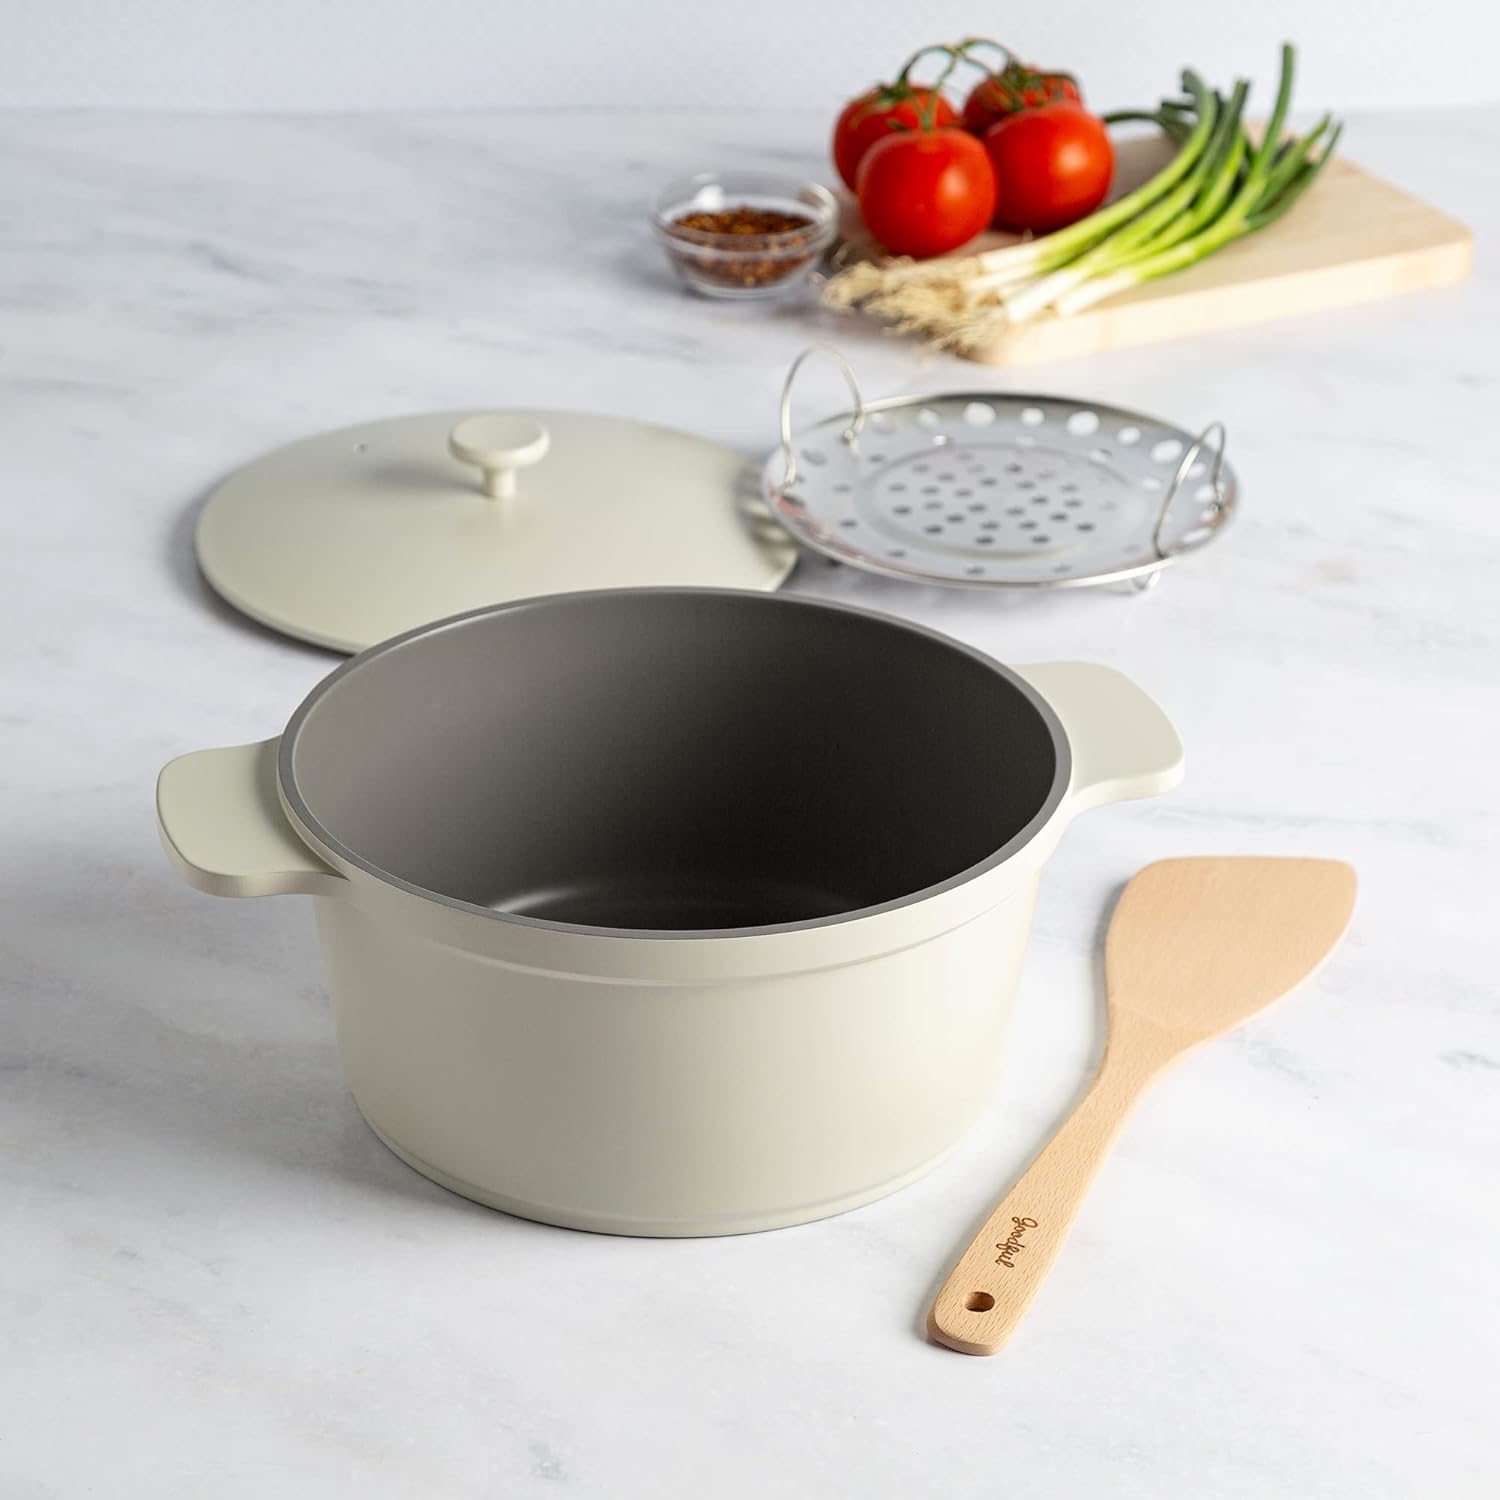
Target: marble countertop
<point x="214" y="1281"/>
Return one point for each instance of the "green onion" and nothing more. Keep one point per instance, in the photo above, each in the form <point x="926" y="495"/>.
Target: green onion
<point x="996" y="269"/>
<point x="1264" y="182"/>
<point x="1218" y="187"/>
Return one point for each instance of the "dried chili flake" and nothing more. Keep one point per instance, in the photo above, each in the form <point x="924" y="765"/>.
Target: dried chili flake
<point x="742" y="220"/>
<point x="766" y="245"/>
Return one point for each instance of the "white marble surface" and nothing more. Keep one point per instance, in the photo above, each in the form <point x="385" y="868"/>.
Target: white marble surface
<point x="215" y="1282"/>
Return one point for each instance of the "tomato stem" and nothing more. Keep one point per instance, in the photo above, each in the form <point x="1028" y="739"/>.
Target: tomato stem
<point x="1007" y="57"/>
<point x="929" y="108"/>
<point x="903" y="88"/>
<point x="903" y="78"/>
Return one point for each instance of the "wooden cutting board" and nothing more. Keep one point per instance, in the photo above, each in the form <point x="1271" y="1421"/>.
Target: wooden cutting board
<point x="1353" y="238"/>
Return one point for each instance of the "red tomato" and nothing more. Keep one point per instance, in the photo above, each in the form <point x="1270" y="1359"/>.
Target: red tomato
<point x="1053" y="165"/>
<point x="924" y="192"/>
<point x="888" y="109"/>
<point x="1015" y="87"/>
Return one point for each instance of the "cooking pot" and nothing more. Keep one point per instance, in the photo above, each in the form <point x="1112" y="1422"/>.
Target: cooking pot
<point x="669" y="911"/>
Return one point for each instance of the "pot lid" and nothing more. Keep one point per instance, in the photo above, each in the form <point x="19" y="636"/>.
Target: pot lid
<point x="351" y="537"/>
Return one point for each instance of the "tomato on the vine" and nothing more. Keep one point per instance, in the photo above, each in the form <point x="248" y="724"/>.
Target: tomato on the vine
<point x="887" y="109"/>
<point x="1015" y="87"/>
<point x="925" y="192"/>
<point x="1053" y="164"/>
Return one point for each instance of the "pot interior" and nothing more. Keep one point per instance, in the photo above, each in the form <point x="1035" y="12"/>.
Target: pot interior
<point x="670" y="760"/>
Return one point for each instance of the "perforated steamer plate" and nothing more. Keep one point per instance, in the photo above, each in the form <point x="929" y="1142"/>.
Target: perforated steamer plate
<point x="991" y="489"/>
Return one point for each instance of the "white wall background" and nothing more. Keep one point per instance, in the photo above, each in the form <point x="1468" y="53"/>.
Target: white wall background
<point x="731" y="54"/>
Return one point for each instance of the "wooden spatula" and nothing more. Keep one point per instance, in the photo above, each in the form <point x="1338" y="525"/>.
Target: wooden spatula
<point x="1195" y="947"/>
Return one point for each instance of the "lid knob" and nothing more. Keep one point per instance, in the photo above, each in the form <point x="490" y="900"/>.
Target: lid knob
<point x="499" y="443"/>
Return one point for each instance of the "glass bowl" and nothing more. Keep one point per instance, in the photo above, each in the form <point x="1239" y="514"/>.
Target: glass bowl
<point x="745" y="264"/>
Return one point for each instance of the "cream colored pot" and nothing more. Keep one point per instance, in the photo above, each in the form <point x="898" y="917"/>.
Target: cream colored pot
<point x="669" y="912"/>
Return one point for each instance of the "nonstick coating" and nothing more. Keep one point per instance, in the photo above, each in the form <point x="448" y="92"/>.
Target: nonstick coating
<point x="670" y="760"/>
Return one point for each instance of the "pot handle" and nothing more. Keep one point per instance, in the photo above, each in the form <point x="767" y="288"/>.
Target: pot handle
<point x="223" y="828"/>
<point x="1123" y="744"/>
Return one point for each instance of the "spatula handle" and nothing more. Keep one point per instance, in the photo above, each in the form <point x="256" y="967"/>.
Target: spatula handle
<point x="989" y="1290"/>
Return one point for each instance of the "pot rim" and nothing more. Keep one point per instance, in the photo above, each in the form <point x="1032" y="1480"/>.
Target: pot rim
<point x="310" y="828"/>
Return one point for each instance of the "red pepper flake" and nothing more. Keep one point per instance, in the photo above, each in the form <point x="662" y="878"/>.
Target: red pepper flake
<point x="765" y="248"/>
<point x="743" y="220"/>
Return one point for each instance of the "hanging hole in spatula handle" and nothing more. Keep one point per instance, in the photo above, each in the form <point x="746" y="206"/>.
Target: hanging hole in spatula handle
<point x="857" y="416"/>
<point x="1214" y="435"/>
